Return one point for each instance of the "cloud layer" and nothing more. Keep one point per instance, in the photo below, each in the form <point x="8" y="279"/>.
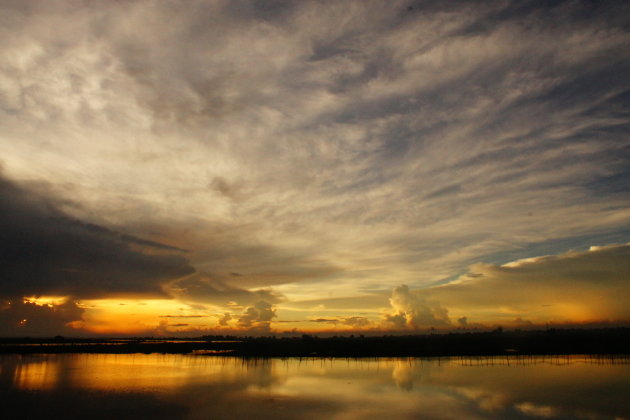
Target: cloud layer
<point x="307" y="150"/>
<point x="587" y="286"/>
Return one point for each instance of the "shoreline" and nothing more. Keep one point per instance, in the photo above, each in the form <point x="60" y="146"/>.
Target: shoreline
<point x="614" y="341"/>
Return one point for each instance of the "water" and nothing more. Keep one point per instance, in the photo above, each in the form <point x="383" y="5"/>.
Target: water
<point x="138" y="386"/>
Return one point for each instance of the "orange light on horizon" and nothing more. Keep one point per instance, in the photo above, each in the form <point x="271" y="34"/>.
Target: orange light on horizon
<point x="46" y="300"/>
<point x="140" y="316"/>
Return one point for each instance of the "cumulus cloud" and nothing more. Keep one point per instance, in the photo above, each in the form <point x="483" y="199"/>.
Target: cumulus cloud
<point x="414" y="311"/>
<point x="46" y="252"/>
<point x="225" y="319"/>
<point x="257" y="317"/>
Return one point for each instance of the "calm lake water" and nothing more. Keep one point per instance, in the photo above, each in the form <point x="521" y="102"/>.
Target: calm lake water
<point x="85" y="386"/>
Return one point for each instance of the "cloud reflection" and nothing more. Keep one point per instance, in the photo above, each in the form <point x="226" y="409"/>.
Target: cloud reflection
<point x="218" y="387"/>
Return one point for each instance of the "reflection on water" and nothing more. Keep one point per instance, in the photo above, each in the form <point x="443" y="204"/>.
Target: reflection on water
<point x="35" y="375"/>
<point x="198" y="387"/>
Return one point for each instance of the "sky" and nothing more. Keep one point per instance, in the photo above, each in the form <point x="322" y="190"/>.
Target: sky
<point x="257" y="167"/>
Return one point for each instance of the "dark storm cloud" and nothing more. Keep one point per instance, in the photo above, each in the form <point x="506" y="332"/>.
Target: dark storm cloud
<point x="130" y="239"/>
<point x="22" y="318"/>
<point x="45" y="252"/>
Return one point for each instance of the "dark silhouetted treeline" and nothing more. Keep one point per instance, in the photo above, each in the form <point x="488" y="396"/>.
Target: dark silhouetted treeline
<point x="498" y="342"/>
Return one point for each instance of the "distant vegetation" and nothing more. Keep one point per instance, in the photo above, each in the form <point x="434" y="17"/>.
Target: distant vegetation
<point x="498" y="342"/>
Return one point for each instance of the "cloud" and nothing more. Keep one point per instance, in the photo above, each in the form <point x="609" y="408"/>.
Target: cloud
<point x="413" y="311"/>
<point x="45" y="252"/>
<point x="355" y="322"/>
<point x="257" y="317"/>
<point x="23" y="318"/>
<point x="327" y="145"/>
<point x="203" y="288"/>
<point x="225" y="319"/>
<point x="580" y="286"/>
<point x="257" y="265"/>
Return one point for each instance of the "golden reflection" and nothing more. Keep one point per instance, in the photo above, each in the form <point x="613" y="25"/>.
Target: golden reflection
<point x="153" y="371"/>
<point x="355" y="388"/>
<point x="403" y="375"/>
<point x="41" y="374"/>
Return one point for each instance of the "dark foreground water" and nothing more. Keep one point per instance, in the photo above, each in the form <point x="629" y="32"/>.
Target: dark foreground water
<point x="138" y="386"/>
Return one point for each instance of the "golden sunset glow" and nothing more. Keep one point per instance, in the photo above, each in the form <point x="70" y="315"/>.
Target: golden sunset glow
<point x="46" y="300"/>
